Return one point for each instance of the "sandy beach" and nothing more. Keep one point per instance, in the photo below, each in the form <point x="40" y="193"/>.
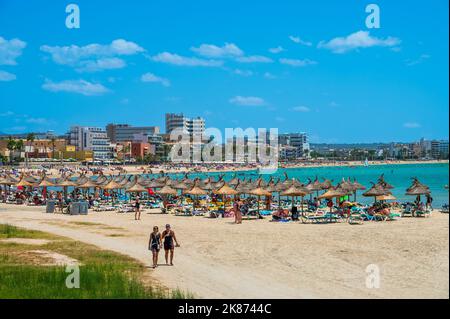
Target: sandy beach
<point x="261" y="259"/>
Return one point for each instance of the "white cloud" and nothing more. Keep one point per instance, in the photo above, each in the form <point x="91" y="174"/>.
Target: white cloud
<point x="38" y="120"/>
<point x="299" y="41"/>
<point x="301" y="109"/>
<point x="243" y="72"/>
<point x="75" y="86"/>
<point x="101" y="64"/>
<point x="419" y="60"/>
<point x="93" y="57"/>
<point x="150" y="77"/>
<point x="411" y="125"/>
<point x="297" y="63"/>
<point x="276" y="50"/>
<point x="6" y="76"/>
<point x="254" y="59"/>
<point x="247" y="101"/>
<point x="269" y="76"/>
<point x="357" y="40"/>
<point x="7" y="113"/>
<point x="175" y="59"/>
<point x="10" y="50"/>
<point x="213" y="51"/>
<point x="333" y="104"/>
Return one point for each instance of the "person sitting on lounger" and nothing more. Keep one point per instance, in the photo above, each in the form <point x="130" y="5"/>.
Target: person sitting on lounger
<point x="280" y="214"/>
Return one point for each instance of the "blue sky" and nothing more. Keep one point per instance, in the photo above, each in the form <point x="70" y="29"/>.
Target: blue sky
<point x="308" y="66"/>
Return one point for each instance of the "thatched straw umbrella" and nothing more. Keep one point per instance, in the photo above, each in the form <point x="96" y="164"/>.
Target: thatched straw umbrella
<point x="418" y="190"/>
<point x="330" y="194"/>
<point x="234" y="181"/>
<point x="23" y="182"/>
<point x="44" y="183"/>
<point x="326" y="184"/>
<point x="376" y="190"/>
<point x="111" y="185"/>
<point x="136" y="188"/>
<point x="196" y="191"/>
<point x="383" y="183"/>
<point x="314" y="186"/>
<point x="225" y="190"/>
<point x="294" y="191"/>
<point x="165" y="191"/>
<point x="259" y="191"/>
<point x="386" y="197"/>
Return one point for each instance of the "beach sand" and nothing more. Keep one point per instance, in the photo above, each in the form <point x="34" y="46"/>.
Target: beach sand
<point x="261" y="259"/>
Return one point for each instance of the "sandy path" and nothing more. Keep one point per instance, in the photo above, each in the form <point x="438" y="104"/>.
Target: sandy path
<point x="259" y="259"/>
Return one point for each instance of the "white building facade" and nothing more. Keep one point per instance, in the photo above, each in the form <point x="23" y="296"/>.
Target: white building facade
<point x="94" y="139"/>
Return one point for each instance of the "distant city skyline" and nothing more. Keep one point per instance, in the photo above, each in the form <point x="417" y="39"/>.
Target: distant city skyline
<point x="309" y="67"/>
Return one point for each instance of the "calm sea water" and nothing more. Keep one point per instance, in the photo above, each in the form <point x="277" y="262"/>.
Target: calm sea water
<point x="436" y="176"/>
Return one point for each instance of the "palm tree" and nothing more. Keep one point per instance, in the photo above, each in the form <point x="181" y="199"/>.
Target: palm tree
<point x="19" y="145"/>
<point x="11" y="146"/>
<point x="30" y="139"/>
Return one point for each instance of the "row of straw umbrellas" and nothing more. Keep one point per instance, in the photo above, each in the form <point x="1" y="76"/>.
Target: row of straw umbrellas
<point x="166" y="186"/>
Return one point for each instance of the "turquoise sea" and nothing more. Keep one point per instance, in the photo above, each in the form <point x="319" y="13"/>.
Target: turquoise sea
<point x="436" y="176"/>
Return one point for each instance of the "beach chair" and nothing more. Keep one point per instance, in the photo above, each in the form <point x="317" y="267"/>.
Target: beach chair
<point x="445" y="209"/>
<point x="422" y="213"/>
<point x="407" y="212"/>
<point x="356" y="218"/>
<point x="215" y="213"/>
<point x="313" y="218"/>
<point x="183" y="212"/>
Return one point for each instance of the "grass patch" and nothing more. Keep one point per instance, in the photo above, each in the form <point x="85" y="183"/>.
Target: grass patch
<point x="103" y="274"/>
<point x="85" y="223"/>
<point x="8" y="231"/>
<point x="102" y="226"/>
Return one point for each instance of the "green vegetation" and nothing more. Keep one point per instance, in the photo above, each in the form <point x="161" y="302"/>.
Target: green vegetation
<point x="103" y="274"/>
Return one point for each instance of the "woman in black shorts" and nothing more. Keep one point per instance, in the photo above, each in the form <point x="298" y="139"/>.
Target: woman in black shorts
<point x="168" y="238"/>
<point x="137" y="207"/>
<point x="154" y="245"/>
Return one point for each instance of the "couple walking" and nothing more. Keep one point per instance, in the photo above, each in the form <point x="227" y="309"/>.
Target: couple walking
<point x="167" y="238"/>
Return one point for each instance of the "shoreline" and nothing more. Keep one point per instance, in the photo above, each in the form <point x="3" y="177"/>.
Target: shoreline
<point x="155" y="170"/>
<point x="134" y="170"/>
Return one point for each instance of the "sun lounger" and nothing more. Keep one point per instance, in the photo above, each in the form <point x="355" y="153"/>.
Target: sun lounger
<point x="183" y="212"/>
<point x="407" y="212"/>
<point x="422" y="213"/>
<point x="356" y="218"/>
<point x="216" y="213"/>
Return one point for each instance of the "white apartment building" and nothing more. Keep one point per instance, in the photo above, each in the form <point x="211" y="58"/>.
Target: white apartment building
<point x="93" y="139"/>
<point x="192" y="126"/>
<point x="297" y="140"/>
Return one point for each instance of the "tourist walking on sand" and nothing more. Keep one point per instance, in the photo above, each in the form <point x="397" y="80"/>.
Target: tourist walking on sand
<point x="237" y="212"/>
<point x="168" y="238"/>
<point x="154" y="245"/>
<point x="137" y="207"/>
